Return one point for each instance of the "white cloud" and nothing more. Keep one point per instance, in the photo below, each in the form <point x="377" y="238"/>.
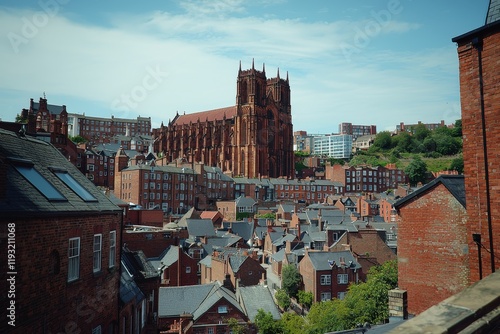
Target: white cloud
<point x="198" y="62"/>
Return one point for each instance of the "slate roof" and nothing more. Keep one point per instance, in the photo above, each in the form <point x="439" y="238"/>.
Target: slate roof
<point x="21" y="199"/>
<point x="256" y="297"/>
<point x="187" y="298"/>
<point x="200" y="228"/>
<point x="245" y="201"/>
<point x="52" y="108"/>
<point x="194" y="299"/>
<point x="236" y="260"/>
<point x="128" y="288"/>
<point x="321" y="260"/>
<point x="284" y="239"/>
<point x="138" y="265"/>
<point x="454" y="183"/>
<point x="168" y="257"/>
<point x="203" y="116"/>
<point x="241" y="228"/>
<point x="493" y="14"/>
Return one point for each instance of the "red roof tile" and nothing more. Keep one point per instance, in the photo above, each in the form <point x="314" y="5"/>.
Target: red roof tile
<point x="210" y="115"/>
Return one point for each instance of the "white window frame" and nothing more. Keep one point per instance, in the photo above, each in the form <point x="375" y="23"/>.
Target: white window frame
<point x="73" y="259"/>
<point x="325" y="296"/>
<point x="325" y="279"/>
<point x="112" y="249"/>
<point x="97" y="252"/>
<point x="342" y="279"/>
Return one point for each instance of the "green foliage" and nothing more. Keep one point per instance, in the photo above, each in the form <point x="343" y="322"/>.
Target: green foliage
<point x="458" y="165"/>
<point x="283" y="299"/>
<point x="235" y="327"/>
<point x="20" y="119"/>
<point x="420" y="132"/>
<point x="364" y="302"/>
<point x="334" y="161"/>
<point x="416" y="171"/>
<point x="301" y="154"/>
<point x="457" y="129"/>
<point x="266" y="215"/>
<point x="299" y="166"/>
<point x="77" y="139"/>
<point x="305" y="298"/>
<point x="243" y="215"/>
<point x="293" y="323"/>
<point x="290" y="280"/>
<point x="383" y="140"/>
<point x="266" y="324"/>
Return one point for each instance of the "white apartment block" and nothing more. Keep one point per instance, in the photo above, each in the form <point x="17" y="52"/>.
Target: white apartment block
<point x="333" y="146"/>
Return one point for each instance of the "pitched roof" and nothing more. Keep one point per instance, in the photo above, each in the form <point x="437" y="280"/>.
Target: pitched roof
<point x="52" y="108"/>
<point x="243" y="201"/>
<point x="454" y="183"/>
<point x="138" y="265"/>
<point x="256" y="297"/>
<point x="200" y="228"/>
<point x="43" y="162"/>
<point x="209" y="115"/>
<point x="193" y="299"/>
<point x="128" y="288"/>
<point x="323" y="260"/>
<point x="187" y="298"/>
<point x="242" y="228"/>
<point x="493" y="14"/>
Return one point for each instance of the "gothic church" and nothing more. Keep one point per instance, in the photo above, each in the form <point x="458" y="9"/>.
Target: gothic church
<point x="254" y="138"/>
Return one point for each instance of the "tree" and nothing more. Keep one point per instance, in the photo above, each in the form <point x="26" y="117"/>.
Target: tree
<point x="458" y="165"/>
<point x="283" y="299"/>
<point x="266" y="324"/>
<point x="20" y="119"/>
<point x="293" y="323"/>
<point x="420" y="132"/>
<point x="290" y="280"/>
<point x="383" y="140"/>
<point x="457" y="129"/>
<point x="305" y="298"/>
<point x="78" y="139"/>
<point x="236" y="327"/>
<point x="416" y="171"/>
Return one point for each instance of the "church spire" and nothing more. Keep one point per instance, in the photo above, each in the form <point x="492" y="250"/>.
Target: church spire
<point x="240" y="67"/>
<point x="278" y="73"/>
<point x="253" y="67"/>
<point x="264" y="68"/>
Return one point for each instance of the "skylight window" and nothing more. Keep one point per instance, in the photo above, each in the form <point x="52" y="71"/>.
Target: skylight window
<point x="65" y="177"/>
<point x="26" y="169"/>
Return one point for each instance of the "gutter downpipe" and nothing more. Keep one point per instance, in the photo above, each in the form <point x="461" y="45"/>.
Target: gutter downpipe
<point x="478" y="45"/>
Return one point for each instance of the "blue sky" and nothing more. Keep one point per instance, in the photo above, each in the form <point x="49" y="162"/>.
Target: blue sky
<point x="364" y="62"/>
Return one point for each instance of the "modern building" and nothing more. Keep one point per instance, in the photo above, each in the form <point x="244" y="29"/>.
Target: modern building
<point x="303" y="142"/>
<point x="253" y="138"/>
<point x="333" y="146"/>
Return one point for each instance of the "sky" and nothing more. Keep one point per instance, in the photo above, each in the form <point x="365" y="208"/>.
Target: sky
<point x="366" y="62"/>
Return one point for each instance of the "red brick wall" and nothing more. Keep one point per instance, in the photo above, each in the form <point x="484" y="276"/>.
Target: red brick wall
<point x="45" y="300"/>
<point x="473" y="150"/>
<point x="151" y="243"/>
<point x="432" y="248"/>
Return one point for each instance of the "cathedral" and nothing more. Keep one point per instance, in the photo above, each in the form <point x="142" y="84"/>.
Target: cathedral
<point x="253" y="139"/>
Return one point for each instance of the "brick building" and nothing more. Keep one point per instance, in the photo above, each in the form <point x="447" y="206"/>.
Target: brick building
<point x="101" y="129"/>
<point x="172" y="188"/>
<point x="252" y="138"/>
<point x="366" y="178"/>
<point x="433" y="254"/>
<point x="357" y="130"/>
<point x="478" y="55"/>
<point x="328" y="274"/>
<point x="66" y="233"/>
